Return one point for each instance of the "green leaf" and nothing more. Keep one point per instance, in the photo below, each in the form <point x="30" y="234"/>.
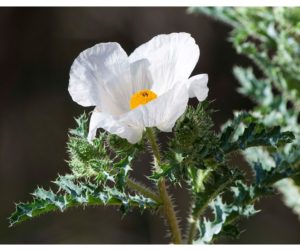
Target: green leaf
<point x="245" y="132"/>
<point x="82" y="126"/>
<point x="76" y="193"/>
<point x="210" y="184"/>
<point x="122" y="168"/>
<point x="222" y="211"/>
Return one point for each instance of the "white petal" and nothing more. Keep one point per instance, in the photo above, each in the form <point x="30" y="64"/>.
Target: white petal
<point x="140" y="75"/>
<point x="100" y="76"/>
<point x="197" y="86"/>
<point x="172" y="58"/>
<point x="161" y="112"/>
<point x="112" y="125"/>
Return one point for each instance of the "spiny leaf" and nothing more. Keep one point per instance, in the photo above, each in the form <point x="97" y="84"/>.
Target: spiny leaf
<point x="250" y="133"/>
<point x="123" y="168"/>
<point x="208" y="229"/>
<point x="82" y="126"/>
<point x="211" y="184"/>
<point x="75" y="193"/>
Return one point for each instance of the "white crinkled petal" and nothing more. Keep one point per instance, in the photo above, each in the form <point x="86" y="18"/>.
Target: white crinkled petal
<point x="161" y="112"/>
<point x="100" y="76"/>
<point x="197" y="86"/>
<point x="140" y="75"/>
<point x="113" y="125"/>
<point x="172" y="58"/>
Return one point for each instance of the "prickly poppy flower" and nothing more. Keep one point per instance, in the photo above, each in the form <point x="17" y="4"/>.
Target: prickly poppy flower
<point x="149" y="88"/>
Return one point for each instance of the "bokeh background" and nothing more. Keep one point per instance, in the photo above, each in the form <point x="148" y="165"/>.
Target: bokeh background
<point x="37" y="48"/>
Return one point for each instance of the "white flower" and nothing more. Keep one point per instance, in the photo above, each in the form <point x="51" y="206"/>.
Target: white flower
<point x="150" y="88"/>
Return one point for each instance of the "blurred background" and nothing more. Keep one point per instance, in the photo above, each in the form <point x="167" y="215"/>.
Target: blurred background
<point x="37" y="48"/>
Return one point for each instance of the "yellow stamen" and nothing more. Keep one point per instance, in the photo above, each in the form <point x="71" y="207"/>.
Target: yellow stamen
<point x="141" y="98"/>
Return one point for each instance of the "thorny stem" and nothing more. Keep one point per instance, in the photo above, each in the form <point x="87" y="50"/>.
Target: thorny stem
<point x="154" y="145"/>
<point x="143" y="190"/>
<point x="167" y="204"/>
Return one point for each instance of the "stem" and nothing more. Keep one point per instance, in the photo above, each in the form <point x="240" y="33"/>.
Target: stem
<point x="193" y="228"/>
<point x="170" y="212"/>
<point x="154" y="145"/>
<point x="143" y="190"/>
<point x="167" y="204"/>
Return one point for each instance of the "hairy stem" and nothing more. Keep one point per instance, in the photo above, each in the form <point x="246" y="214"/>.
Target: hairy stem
<point x="167" y="204"/>
<point x="153" y="142"/>
<point x="132" y="184"/>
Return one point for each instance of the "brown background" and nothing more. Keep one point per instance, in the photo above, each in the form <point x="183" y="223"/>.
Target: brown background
<point x="37" y="48"/>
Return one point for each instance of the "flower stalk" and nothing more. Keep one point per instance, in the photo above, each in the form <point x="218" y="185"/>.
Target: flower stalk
<point x="168" y="207"/>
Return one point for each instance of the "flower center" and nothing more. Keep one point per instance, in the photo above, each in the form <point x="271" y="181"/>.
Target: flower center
<point x="141" y="98"/>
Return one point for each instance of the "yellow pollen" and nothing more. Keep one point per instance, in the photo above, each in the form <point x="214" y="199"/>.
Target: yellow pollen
<point x="141" y="98"/>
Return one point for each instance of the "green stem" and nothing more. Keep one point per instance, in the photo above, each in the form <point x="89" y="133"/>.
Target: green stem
<point x="169" y="212"/>
<point x="154" y="145"/>
<point x="168" y="206"/>
<point x="132" y="184"/>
